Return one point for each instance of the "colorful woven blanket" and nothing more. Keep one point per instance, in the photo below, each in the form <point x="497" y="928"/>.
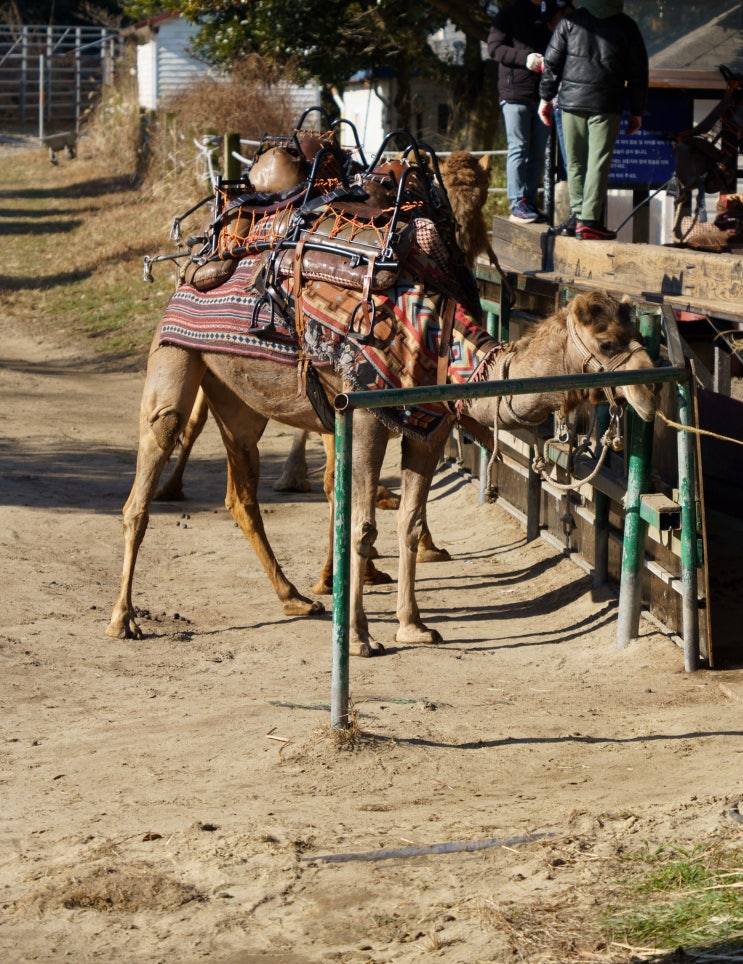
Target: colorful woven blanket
<point x="398" y="349"/>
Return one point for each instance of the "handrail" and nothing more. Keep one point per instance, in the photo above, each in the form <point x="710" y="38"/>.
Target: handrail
<point x="346" y="402"/>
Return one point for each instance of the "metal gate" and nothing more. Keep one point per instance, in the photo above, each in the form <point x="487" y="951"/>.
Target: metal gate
<point x="51" y="76"/>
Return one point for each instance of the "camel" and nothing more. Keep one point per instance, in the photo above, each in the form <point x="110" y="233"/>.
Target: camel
<point x="466" y="181"/>
<point x="593" y="332"/>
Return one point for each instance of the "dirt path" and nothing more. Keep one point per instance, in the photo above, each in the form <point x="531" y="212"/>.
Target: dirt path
<point x="175" y="799"/>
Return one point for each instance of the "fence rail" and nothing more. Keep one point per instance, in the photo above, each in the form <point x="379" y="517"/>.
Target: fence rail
<point x="50" y="76"/>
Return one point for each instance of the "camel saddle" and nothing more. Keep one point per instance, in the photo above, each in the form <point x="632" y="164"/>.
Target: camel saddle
<point x="350" y="244"/>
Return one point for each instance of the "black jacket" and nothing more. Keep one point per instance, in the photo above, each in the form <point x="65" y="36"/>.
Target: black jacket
<point x="596" y="62"/>
<point x="518" y="30"/>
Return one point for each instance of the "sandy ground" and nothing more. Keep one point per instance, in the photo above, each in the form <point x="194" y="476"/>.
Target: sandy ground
<point x="181" y="798"/>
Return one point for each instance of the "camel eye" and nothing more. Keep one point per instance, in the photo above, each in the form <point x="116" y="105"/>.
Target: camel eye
<point x="607" y="347"/>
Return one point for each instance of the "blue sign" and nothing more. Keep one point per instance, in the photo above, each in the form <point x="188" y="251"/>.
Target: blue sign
<point x="645" y="159"/>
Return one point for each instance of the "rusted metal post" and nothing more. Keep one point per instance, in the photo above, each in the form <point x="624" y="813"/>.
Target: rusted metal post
<point x="635" y="529"/>
<point x="601" y="514"/>
<point x="339" y="684"/>
<point x="687" y="499"/>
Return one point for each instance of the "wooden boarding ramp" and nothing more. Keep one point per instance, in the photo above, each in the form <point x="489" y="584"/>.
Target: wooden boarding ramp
<point x="695" y="295"/>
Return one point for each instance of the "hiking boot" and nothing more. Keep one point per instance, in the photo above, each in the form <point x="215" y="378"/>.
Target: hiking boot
<point x="523" y="212"/>
<point x="593" y="231"/>
<point x="566" y="228"/>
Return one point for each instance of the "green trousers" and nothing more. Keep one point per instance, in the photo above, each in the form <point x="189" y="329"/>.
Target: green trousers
<point x="589" y="143"/>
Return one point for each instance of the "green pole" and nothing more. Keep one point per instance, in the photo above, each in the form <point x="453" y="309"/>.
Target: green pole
<point x="341" y="569"/>
<point x="490" y="324"/>
<point x="601" y="513"/>
<point x="687" y="498"/>
<point x="635" y="529"/>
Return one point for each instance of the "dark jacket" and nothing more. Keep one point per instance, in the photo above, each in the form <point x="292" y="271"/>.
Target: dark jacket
<point x="595" y="63"/>
<point x="518" y="30"/>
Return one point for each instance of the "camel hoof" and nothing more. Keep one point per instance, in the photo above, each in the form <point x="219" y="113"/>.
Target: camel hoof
<point x="367" y="650"/>
<point x="375" y="577"/>
<point x="385" y="499"/>
<point x="434" y="554"/>
<point x="323" y="587"/>
<point x="127" y="629"/>
<point x="167" y="493"/>
<point x="299" y="606"/>
<point x="291" y="485"/>
<point x="418" y="636"/>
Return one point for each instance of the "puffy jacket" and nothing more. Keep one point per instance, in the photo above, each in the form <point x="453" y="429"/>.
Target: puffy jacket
<point x="595" y="62"/>
<point x="520" y="29"/>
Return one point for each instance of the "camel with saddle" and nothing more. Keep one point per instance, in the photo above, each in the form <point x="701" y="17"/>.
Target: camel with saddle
<point x="466" y="181"/>
<point x="335" y="289"/>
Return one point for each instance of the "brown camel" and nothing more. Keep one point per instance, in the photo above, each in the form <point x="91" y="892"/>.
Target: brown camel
<point x="466" y="180"/>
<point x="592" y="332"/>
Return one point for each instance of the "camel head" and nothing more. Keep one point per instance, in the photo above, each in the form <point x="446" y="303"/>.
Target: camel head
<point x="601" y="337"/>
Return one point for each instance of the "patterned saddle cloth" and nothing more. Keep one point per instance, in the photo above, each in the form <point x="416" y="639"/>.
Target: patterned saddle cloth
<point x="396" y="347"/>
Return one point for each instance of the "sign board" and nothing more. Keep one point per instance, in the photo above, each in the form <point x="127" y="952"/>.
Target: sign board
<point x="645" y="159"/>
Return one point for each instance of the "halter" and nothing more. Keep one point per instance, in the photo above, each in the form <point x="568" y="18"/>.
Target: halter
<point x="611" y="440"/>
<point x="590" y="363"/>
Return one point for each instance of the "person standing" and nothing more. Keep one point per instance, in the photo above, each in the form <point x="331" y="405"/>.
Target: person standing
<point x="518" y="37"/>
<point x="596" y="58"/>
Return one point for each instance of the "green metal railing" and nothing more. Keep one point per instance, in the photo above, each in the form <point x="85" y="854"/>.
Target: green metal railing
<point x="346" y="403"/>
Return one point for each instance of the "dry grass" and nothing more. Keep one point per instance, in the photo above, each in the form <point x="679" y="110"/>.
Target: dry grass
<point x="77" y="232"/>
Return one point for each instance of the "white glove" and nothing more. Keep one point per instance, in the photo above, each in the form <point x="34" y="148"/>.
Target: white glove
<point x="535" y="62"/>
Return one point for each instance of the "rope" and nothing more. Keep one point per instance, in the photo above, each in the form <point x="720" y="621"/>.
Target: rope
<point x="698" y="431"/>
<point x="538" y="466"/>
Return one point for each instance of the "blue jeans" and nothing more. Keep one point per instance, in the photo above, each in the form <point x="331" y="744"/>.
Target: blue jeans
<point x="527" y="139"/>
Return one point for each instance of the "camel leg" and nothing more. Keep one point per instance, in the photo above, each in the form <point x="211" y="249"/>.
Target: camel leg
<point x="173" y="378"/>
<point x="172" y="489"/>
<point x="428" y="551"/>
<point x="418" y="465"/>
<point x="293" y="477"/>
<point x="372" y="575"/>
<point x="369" y="446"/>
<point x="324" y="584"/>
<point x="241" y="431"/>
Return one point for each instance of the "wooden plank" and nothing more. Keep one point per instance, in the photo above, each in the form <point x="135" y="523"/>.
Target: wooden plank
<point x="694" y="280"/>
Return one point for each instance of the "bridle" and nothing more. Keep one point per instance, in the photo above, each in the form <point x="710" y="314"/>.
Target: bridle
<point x="590" y="363"/>
<point x="612" y="438"/>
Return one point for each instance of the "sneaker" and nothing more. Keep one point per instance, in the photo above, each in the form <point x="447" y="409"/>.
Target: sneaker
<point x="591" y="231"/>
<point x="523" y="212"/>
<point x="566" y="228"/>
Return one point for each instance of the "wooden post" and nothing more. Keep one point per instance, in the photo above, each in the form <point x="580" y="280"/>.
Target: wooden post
<point x="231" y="167"/>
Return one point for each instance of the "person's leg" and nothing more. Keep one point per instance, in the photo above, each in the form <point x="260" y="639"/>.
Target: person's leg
<point x="535" y="158"/>
<point x="517" y="124"/>
<point x="603" y="130"/>
<point x="575" y="137"/>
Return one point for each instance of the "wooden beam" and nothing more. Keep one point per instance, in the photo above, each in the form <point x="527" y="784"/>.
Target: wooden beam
<point x="650" y="272"/>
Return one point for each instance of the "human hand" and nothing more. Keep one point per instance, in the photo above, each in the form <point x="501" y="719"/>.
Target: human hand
<point x="535" y="62"/>
<point x="634" y="123"/>
<point x="545" y="112"/>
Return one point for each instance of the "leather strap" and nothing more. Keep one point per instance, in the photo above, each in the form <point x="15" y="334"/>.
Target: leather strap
<point x="447" y="326"/>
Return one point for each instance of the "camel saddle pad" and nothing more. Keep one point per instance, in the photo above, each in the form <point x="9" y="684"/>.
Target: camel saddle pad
<point x="343" y="246"/>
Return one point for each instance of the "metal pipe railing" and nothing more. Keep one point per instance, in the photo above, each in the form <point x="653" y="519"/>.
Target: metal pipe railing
<point x="346" y="402"/>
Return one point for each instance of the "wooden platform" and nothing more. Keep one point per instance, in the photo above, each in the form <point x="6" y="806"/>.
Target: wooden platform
<point x="688" y="280"/>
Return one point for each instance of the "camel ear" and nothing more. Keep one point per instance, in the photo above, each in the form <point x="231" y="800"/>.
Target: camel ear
<point x="580" y="308"/>
<point x="484" y="162"/>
